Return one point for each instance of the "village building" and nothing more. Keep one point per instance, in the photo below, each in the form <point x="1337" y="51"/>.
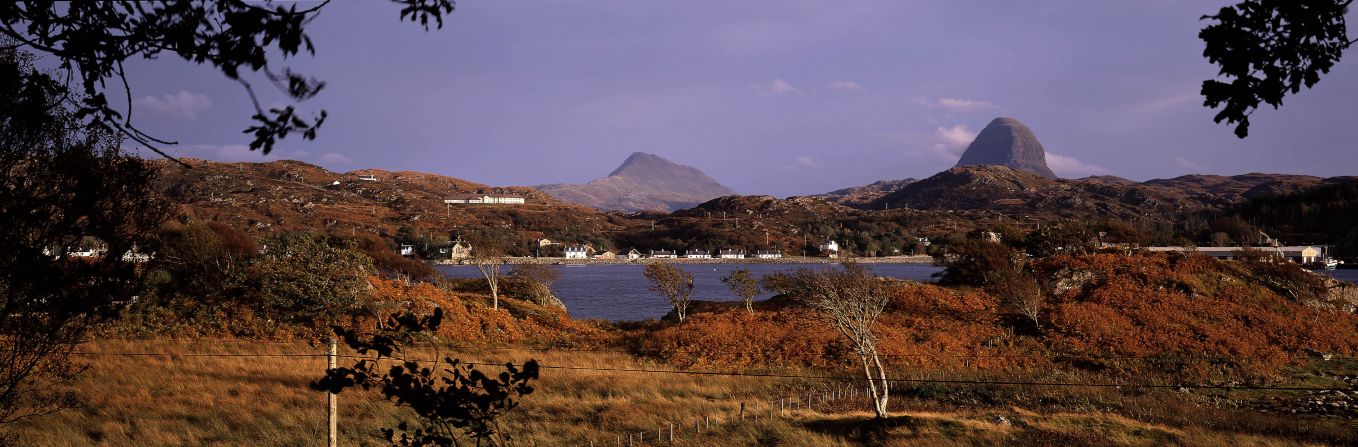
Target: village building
<point x="768" y="254"/>
<point x="633" y="254"/>
<point x="606" y="255"/>
<point x="1303" y="254"/>
<point x="663" y="254"/>
<point x="367" y="178"/>
<point x="731" y="254"/>
<point x="829" y="247"/>
<point x="544" y="242"/>
<point x="697" y="254"/>
<point x="577" y="252"/>
<point x="407" y="250"/>
<point x="485" y="199"/>
<point x="459" y="250"/>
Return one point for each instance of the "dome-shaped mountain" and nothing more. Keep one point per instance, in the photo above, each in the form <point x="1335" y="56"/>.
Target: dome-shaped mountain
<point x="1007" y="142"/>
<point x="643" y="182"/>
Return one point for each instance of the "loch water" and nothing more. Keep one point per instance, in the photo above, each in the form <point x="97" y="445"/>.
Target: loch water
<point x="619" y="292"/>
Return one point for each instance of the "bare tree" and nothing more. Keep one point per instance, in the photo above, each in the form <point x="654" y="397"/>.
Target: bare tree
<point x="673" y="283"/>
<point x="852" y="298"/>
<point x="539" y="279"/>
<point x="490" y="260"/>
<point x="1018" y="293"/>
<point x="743" y="284"/>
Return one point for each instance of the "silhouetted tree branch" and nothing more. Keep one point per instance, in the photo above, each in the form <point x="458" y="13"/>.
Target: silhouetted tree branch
<point x="1267" y="49"/>
<point x="93" y="39"/>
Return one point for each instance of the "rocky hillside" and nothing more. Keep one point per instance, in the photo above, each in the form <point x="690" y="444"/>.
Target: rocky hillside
<point x="1007" y="142"/>
<point x="643" y="182"/>
<point x="861" y="196"/>
<point x="294" y="196"/>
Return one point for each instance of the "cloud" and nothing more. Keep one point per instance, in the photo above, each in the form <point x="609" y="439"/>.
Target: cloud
<point x="241" y="153"/>
<point x="183" y="105"/>
<point x="1071" y="167"/>
<point x="1186" y="163"/>
<point x="846" y="87"/>
<point x="950" y="142"/>
<point x="807" y="161"/>
<point x="963" y="105"/>
<point x="781" y="87"/>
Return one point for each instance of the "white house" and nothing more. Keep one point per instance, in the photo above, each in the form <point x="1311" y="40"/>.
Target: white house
<point x="633" y="254"/>
<point x="577" y="252"/>
<point x="663" y="254"/>
<point x="367" y="178"/>
<point x="488" y="199"/>
<point x="829" y="247"/>
<point x="1303" y="254"/>
<point x="407" y="250"/>
<point x="768" y="254"/>
<point x="459" y="250"/>
<point x="731" y="254"/>
<point x="697" y="254"/>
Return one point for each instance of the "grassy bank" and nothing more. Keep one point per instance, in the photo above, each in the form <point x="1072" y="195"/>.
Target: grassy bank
<point x="208" y="392"/>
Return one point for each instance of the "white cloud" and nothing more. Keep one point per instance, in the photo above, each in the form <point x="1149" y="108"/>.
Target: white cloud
<point x="846" y="87"/>
<point x="1186" y="163"/>
<point x="807" y="161"/>
<point x="781" y="87"/>
<point x="1070" y="167"/>
<point x="950" y="142"/>
<point x="183" y="105"/>
<point x="241" y="153"/>
<point x="335" y="158"/>
<point x="963" y="104"/>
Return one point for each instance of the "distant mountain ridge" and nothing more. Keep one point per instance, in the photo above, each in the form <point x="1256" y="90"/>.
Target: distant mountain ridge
<point x="643" y="182"/>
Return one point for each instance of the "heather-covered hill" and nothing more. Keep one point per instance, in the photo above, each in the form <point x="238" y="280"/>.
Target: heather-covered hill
<point x="283" y="196"/>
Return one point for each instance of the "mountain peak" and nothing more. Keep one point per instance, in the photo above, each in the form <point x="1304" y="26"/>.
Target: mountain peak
<point x="643" y="182"/>
<point x="641" y="161"/>
<point x="1007" y="142"/>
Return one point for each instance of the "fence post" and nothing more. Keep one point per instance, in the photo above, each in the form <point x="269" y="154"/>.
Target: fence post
<point x="671" y="433"/>
<point x="742" y="411"/>
<point x="808" y="401"/>
<point x="332" y="399"/>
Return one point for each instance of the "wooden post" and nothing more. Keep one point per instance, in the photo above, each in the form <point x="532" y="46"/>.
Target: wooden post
<point x="742" y="411"/>
<point x="808" y="401"/>
<point x="671" y="433"/>
<point x="332" y="398"/>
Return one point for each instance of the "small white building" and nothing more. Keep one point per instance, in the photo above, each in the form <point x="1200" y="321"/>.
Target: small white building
<point x="485" y="199"/>
<point x="407" y="250"/>
<point x="459" y="250"/>
<point x="768" y="254"/>
<point x="663" y="254"/>
<point x="829" y="247"/>
<point x="577" y="252"/>
<point x="633" y="254"/>
<point x="731" y="254"/>
<point x="367" y="178"/>
<point x="697" y="254"/>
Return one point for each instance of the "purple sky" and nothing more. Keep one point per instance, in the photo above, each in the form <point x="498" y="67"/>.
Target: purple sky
<point x="768" y="97"/>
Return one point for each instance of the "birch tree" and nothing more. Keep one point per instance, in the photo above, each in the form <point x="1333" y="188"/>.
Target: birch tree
<point x="490" y="261"/>
<point x="852" y="299"/>
<point x="743" y="284"/>
<point x="674" y="284"/>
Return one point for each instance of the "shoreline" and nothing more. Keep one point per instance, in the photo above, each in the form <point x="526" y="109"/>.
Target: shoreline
<point x="922" y="259"/>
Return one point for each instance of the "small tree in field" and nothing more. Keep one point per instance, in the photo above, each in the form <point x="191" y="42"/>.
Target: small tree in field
<point x="490" y="261"/>
<point x="674" y="284"/>
<point x="852" y="298"/>
<point x="1018" y="292"/>
<point x="744" y="285"/>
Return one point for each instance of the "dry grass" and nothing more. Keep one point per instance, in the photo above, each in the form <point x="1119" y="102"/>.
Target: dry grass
<point x="163" y="400"/>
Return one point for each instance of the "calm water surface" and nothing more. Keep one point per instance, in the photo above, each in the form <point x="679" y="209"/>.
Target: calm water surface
<point x="619" y="291"/>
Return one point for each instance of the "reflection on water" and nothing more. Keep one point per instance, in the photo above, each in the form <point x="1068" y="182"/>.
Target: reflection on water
<point x="620" y="292"/>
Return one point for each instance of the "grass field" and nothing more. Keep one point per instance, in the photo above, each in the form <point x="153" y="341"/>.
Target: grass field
<point x="250" y="393"/>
